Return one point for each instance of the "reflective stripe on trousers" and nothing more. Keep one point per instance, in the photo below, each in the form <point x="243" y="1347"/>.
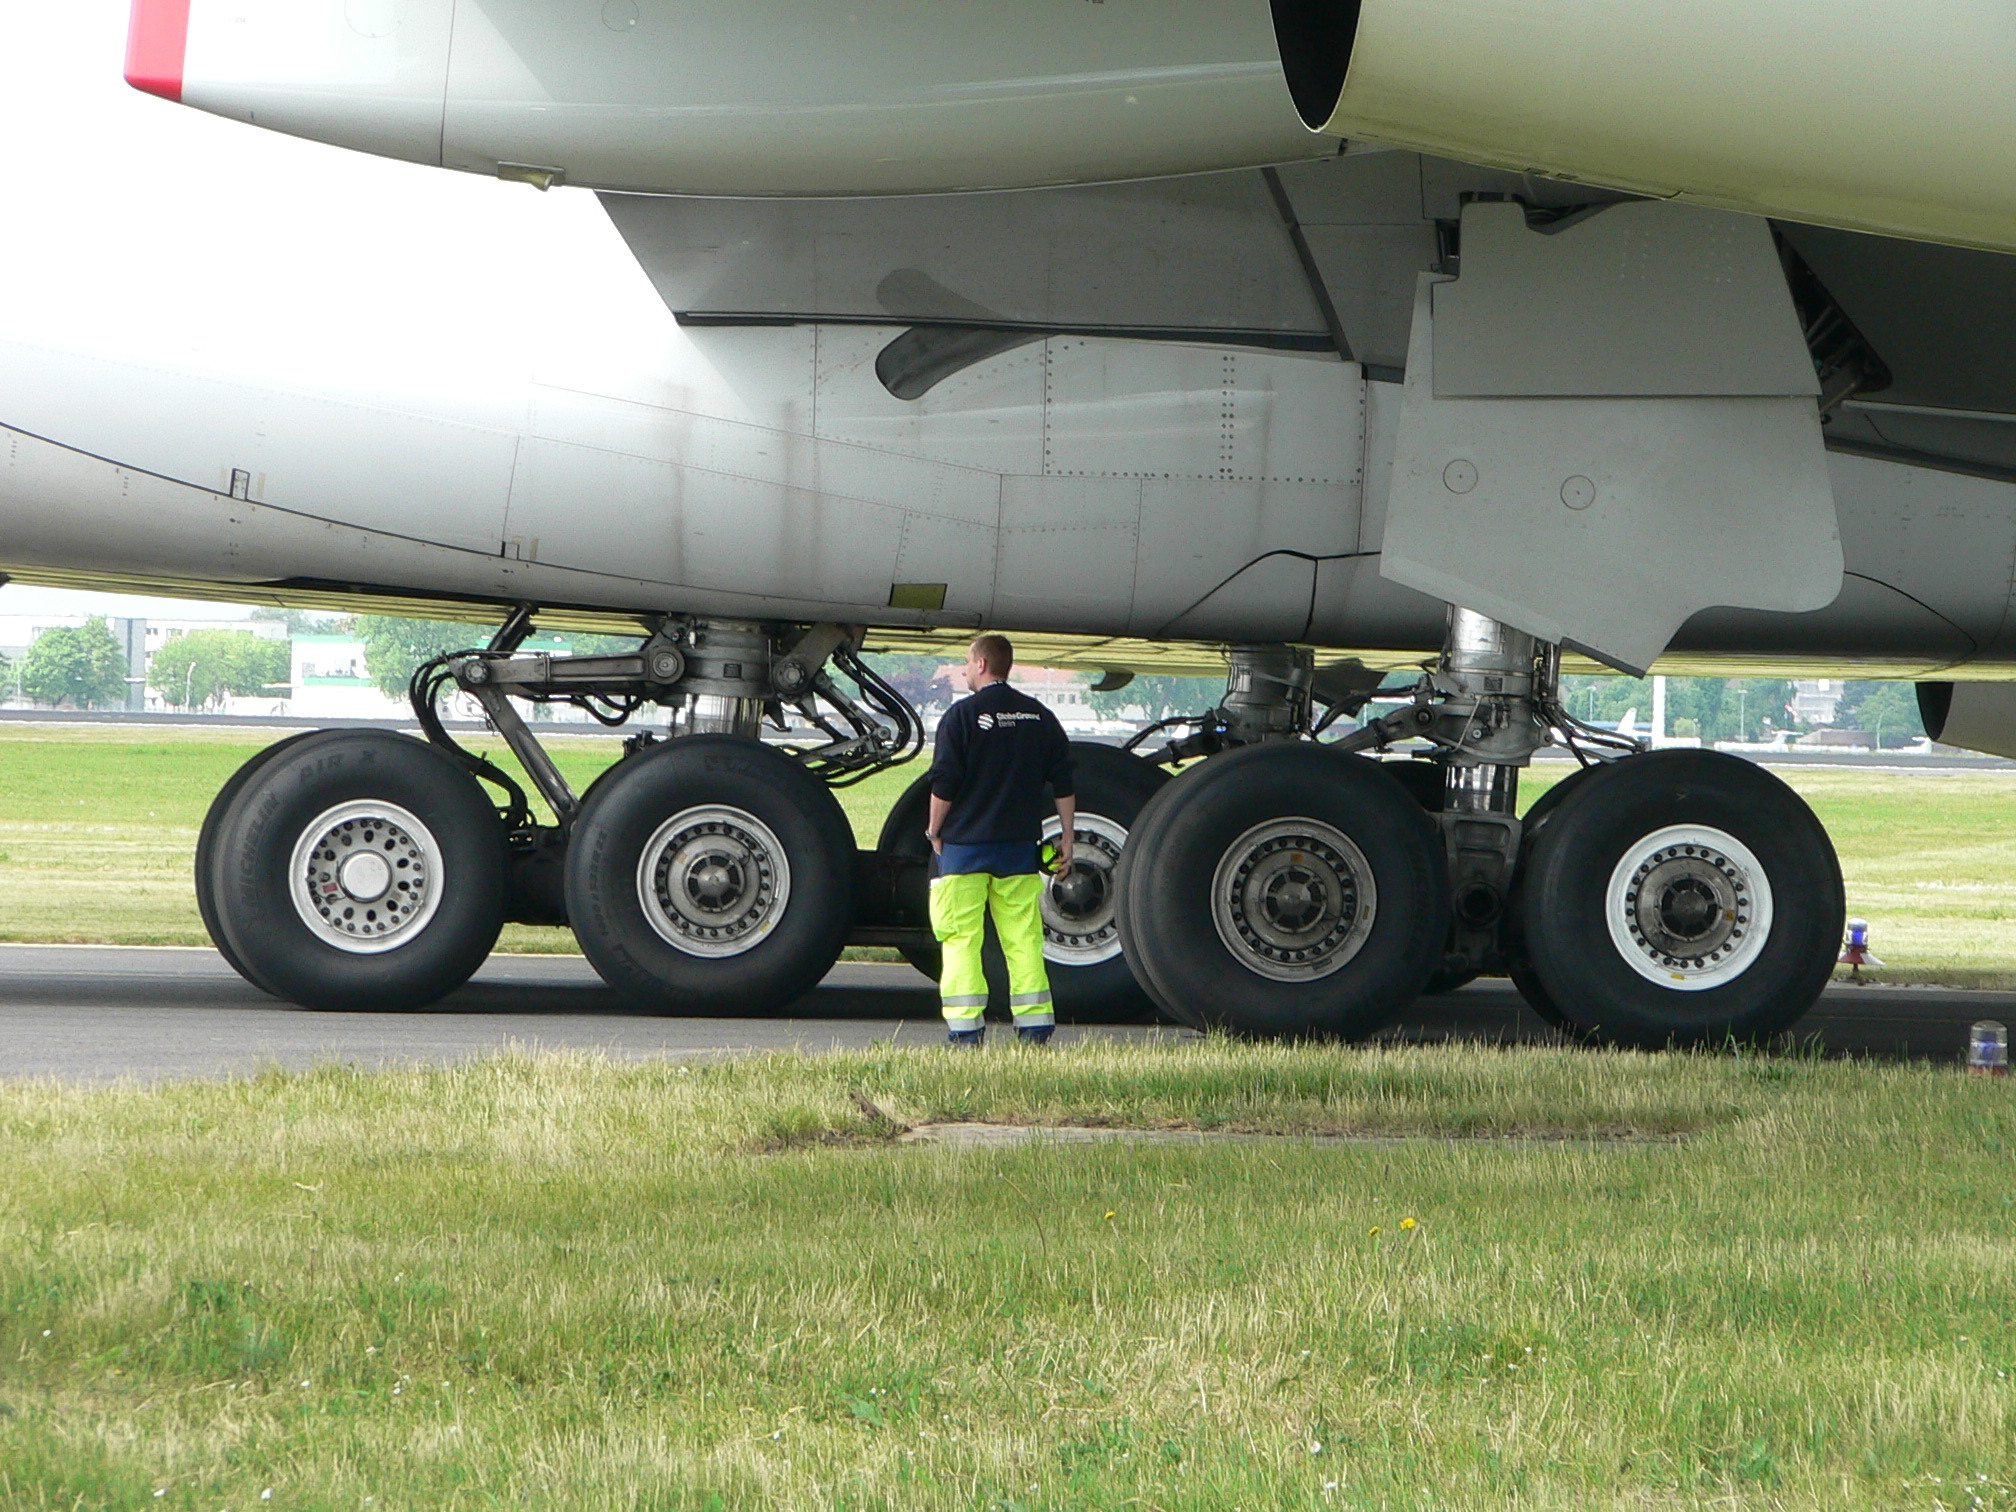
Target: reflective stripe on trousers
<point x="959" y="909"/>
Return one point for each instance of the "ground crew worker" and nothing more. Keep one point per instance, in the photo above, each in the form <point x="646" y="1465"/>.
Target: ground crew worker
<point x="996" y="750"/>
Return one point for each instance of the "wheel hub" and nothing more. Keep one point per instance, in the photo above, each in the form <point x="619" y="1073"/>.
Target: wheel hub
<point x="1081" y="924"/>
<point x="1080" y="891"/>
<point x="365" y="877"/>
<point x="713" y="881"/>
<point x="1293" y="900"/>
<point x="1689" y="907"/>
<point x="716" y="881"/>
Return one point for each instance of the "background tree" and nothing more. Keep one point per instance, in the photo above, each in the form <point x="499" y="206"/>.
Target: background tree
<point x="201" y="667"/>
<point x="1715" y="708"/>
<point x="393" y="647"/>
<point x="603" y="645"/>
<point x="1886" y="708"/>
<point x="84" y="668"/>
<point x="912" y="676"/>
<point x="1605" y="700"/>
<point x="1160" y="697"/>
<point x="1755" y="708"/>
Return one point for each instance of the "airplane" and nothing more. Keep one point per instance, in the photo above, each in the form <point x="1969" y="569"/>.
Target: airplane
<point x="1305" y="341"/>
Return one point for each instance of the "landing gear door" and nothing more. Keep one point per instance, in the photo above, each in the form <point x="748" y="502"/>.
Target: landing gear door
<point x="1608" y="426"/>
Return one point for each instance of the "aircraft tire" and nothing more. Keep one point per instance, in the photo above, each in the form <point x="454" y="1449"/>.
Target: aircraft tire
<point x="411" y="898"/>
<point x="711" y="875"/>
<point x="1090" y="981"/>
<point x="206" y="849"/>
<point x="1681" y="898"/>
<point x="1244" y="895"/>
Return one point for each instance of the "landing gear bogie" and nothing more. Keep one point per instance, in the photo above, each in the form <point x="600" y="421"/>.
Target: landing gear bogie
<point x="1279" y="887"/>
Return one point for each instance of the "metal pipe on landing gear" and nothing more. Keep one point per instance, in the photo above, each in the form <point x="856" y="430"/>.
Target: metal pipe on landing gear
<point x="1487" y="673"/>
<point x="1485" y="788"/>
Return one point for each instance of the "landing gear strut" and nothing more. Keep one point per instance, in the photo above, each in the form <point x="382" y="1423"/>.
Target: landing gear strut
<point x="1289" y="888"/>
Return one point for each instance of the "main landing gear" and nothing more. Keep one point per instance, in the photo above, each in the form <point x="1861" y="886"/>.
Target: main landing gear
<point x="1282" y="885"/>
<point x="1286" y="887"/>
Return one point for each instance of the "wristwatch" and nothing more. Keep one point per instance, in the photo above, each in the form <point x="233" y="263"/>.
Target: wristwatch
<point x="930" y="834"/>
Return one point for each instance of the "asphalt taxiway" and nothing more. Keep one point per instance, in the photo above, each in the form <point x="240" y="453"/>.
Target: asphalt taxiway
<point x="90" y="1014"/>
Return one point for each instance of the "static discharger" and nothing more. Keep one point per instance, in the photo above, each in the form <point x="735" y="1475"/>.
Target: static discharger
<point x="1988" y="1049"/>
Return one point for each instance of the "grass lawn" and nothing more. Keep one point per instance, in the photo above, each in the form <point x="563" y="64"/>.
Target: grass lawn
<point x="98" y="824"/>
<point x="1565" y="1280"/>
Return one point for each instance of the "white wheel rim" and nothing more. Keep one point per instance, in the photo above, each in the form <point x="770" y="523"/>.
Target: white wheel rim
<point x="1081" y="924"/>
<point x="1293" y="900"/>
<point x="713" y="881"/>
<point x="366" y="877"/>
<point x="1689" y="907"/>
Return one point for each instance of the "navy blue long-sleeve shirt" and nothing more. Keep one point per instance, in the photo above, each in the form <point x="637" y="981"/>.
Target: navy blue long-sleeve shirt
<point x="996" y="752"/>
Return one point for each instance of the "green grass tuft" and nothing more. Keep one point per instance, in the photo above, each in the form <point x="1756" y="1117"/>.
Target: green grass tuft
<point x="553" y="1281"/>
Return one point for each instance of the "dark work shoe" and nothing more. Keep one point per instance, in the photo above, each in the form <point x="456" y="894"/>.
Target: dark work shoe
<point x="1036" y="1034"/>
<point x="966" y="1039"/>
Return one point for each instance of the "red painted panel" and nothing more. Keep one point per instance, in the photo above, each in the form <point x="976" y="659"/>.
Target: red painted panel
<point x="155" y="41"/>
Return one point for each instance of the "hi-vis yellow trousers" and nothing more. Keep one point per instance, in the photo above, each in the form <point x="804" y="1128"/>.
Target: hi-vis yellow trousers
<point x="959" y="906"/>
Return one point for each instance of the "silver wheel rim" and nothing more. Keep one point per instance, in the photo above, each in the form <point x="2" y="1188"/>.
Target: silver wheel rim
<point x="1293" y="900"/>
<point x="1689" y="907"/>
<point x="1081" y="925"/>
<point x="713" y="881"/>
<point x="366" y="877"/>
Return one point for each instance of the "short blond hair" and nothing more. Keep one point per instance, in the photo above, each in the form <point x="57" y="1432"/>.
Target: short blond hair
<point x="995" y="654"/>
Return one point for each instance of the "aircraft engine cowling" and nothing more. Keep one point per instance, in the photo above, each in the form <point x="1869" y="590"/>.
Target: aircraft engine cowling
<point x="1975" y="716"/>
<point x="1854" y="113"/>
<point x="368" y="74"/>
<point x="745" y="97"/>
